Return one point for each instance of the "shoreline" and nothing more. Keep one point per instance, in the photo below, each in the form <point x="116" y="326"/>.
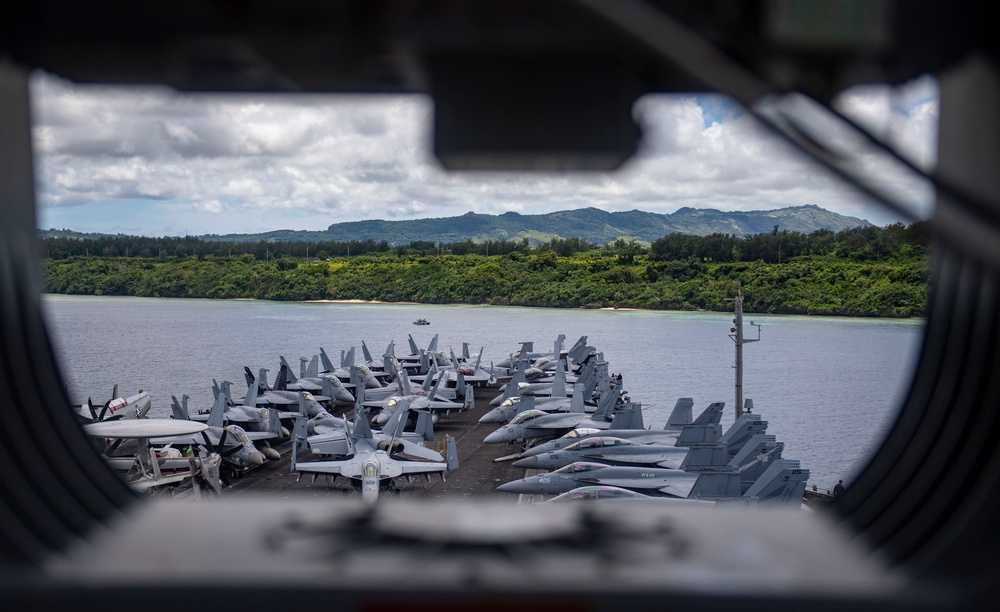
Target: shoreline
<point x="603" y="308"/>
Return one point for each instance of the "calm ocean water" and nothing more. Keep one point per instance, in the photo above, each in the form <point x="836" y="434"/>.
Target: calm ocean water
<point x="828" y="386"/>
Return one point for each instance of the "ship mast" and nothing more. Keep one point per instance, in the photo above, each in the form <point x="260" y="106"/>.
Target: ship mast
<point x="739" y="338"/>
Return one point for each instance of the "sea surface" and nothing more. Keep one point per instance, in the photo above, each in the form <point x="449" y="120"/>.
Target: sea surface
<point x="829" y="387"/>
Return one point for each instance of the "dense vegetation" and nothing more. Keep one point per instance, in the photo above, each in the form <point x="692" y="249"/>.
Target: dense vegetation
<point x="863" y="271"/>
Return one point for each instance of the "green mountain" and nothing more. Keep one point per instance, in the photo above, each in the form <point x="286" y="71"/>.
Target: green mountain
<point x="595" y="226"/>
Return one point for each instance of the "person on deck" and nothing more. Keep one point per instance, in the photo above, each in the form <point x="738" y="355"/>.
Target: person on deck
<point x="839" y="489"/>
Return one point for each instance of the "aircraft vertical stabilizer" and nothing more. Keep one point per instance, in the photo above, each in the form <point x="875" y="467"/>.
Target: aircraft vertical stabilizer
<point x="783" y="482"/>
<point x="742" y="429"/>
<point x="716" y="485"/>
<point x="681" y="414"/>
<point x="179" y="412"/>
<point x="327" y="364"/>
<point x="710" y="457"/>
<point x="217" y="417"/>
<point x="451" y="453"/>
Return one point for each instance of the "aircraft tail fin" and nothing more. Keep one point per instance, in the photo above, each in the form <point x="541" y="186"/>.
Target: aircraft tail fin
<point x="428" y="380"/>
<point x="783" y="482"/>
<point x="479" y="360"/>
<point x="437" y="385"/>
<point x="469" y="401"/>
<point x="425" y="362"/>
<point x="433" y="346"/>
<point x="608" y="402"/>
<point x="274" y="422"/>
<point x="281" y="381"/>
<point x="404" y="381"/>
<point x="576" y="403"/>
<point x="251" y="397"/>
<point x="215" y="388"/>
<point x="707" y="457"/>
<point x="300" y="431"/>
<point x="465" y="351"/>
<point x="328" y="388"/>
<point x="262" y="379"/>
<point x="179" y="412"/>
<point x="629" y="417"/>
<point x="578" y="351"/>
<point x="397" y="420"/>
<point x="312" y="370"/>
<point x="425" y="425"/>
<point x="348" y="359"/>
<point x="390" y="349"/>
<point x="227" y="389"/>
<point x="712" y="414"/>
<point x="289" y="375"/>
<point x="693" y="435"/>
<point x="216" y="418"/>
<point x="365" y="352"/>
<point x="681" y="414"/>
<point x="742" y="429"/>
<point x="559" y="382"/>
<point x="526" y="349"/>
<point x="716" y="485"/>
<point x="557" y="346"/>
<point x="327" y="364"/>
<point x="413" y="345"/>
<point x="362" y="429"/>
<point x="460" y="383"/>
<point x="248" y="375"/>
<point x="755" y="457"/>
<point x="451" y="453"/>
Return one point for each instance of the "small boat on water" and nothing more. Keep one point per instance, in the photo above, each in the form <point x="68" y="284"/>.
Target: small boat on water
<point x="421" y="322"/>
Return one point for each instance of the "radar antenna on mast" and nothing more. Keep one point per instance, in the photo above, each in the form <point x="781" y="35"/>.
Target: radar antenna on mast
<point x="740" y="340"/>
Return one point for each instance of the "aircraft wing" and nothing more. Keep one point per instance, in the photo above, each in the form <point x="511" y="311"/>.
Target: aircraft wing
<point x="656" y="484"/>
<point x="663" y="460"/>
<point x="350" y="468"/>
<point x="564" y="421"/>
<point x="262" y="435"/>
<point x="329" y="443"/>
<point x="681" y="487"/>
<point x="144" y="428"/>
<point x="392" y="469"/>
<point x="418" y="452"/>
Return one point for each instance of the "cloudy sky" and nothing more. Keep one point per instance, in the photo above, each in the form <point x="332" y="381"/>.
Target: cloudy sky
<point x="152" y="162"/>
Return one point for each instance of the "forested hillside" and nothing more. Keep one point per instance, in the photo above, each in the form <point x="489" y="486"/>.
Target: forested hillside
<point x="864" y="271"/>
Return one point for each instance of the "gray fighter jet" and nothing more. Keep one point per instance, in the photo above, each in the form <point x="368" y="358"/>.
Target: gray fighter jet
<point x="647" y="475"/>
<point x="678" y="430"/>
<point x="311" y="381"/>
<point x="783" y="482"/>
<point x="344" y="371"/>
<point x="541" y="424"/>
<point x="235" y="444"/>
<point x="372" y="461"/>
<point x="613" y="450"/>
<point x="427" y="400"/>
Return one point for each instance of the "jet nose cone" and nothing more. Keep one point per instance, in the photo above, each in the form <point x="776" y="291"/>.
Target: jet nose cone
<point x="343" y="395"/>
<point x="496" y="401"/>
<point x="526" y="462"/>
<point x="515" y="486"/>
<point x="495" y="438"/>
<point x="489" y="417"/>
<point x="531" y="452"/>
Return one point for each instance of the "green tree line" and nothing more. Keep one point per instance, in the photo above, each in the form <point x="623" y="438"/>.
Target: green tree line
<point x="868" y="272"/>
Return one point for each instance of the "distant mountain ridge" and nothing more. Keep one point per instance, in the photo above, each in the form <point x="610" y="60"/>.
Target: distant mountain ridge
<point x="591" y="224"/>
